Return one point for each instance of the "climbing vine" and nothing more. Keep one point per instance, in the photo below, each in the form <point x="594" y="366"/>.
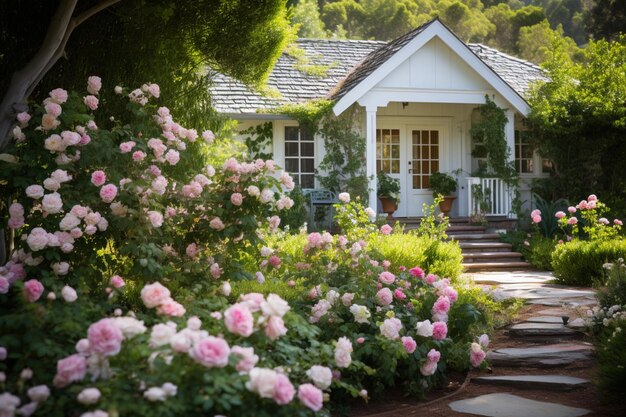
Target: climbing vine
<point x="490" y="132"/>
<point x="309" y="114"/>
<point x="259" y="140"/>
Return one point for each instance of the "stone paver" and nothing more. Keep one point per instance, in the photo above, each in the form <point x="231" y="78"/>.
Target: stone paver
<point x="541" y="329"/>
<point x="546" y="382"/>
<point x="508" y="405"/>
<point x="560" y="354"/>
<point x="498" y="278"/>
<point x="545" y="319"/>
<point x="555" y="312"/>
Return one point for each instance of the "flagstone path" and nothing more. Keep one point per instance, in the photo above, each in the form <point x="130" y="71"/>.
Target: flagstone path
<point x="542" y="365"/>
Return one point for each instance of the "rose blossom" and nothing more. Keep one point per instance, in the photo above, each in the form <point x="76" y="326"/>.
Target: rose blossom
<point x="52" y="203"/>
<point x="409" y="344"/>
<point x="139" y="156"/>
<point x="171" y="308"/>
<point x="172" y="157"/>
<point x="216" y="224"/>
<point x="91" y="102"/>
<point x="58" y="95"/>
<point x="320" y="375"/>
<point x="387" y="277"/>
<point x="154" y="295"/>
<point x="274" y="305"/>
<point x="390" y="328"/>
<point x="424" y="328"/>
<point x="441" y="306"/>
<point x="440" y="330"/>
<point x="89" y="396"/>
<point x="108" y="193"/>
<point x="247" y="358"/>
<point x="343" y="349"/>
<point x="344" y="197"/>
<point x="384" y="297"/>
<point x="238" y="319"/>
<point x="98" y="178"/>
<point x="477" y="355"/>
<point x="105" y="337"/>
<point x="69" y="294"/>
<point x="155" y="394"/>
<point x="385" y="229"/>
<point x="236" y="199"/>
<point x="32" y="290"/>
<point x="559" y="214"/>
<point x="275" y="327"/>
<point x="283" y="390"/>
<point x="94" y="84"/>
<point x="70" y="369"/>
<point x="572" y="220"/>
<point x="262" y="381"/>
<point x="156" y="218"/>
<point x="162" y="334"/>
<point x="211" y="352"/>
<point x="34" y="191"/>
<point x="311" y="396"/>
<point x="39" y="393"/>
<point x="23" y="117"/>
<point x="361" y="313"/>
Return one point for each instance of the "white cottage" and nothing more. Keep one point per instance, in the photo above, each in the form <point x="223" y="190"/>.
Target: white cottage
<point x="417" y="95"/>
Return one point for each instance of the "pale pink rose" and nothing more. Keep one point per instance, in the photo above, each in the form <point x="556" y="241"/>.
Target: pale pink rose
<point x="53" y="109"/>
<point x="91" y="102"/>
<point x="172" y="157"/>
<point x="618" y="222"/>
<point x="211" y="352"/>
<point x="320" y="375"/>
<point x="85" y="139"/>
<point x="477" y="355"/>
<point x="440" y="330"/>
<point x="238" y="319"/>
<point x="69" y="294"/>
<point x="32" y="290"/>
<point x="283" y="390"/>
<point x="39" y="393"/>
<point x="154" y="90"/>
<point x="571" y="209"/>
<point x="105" y="337"/>
<point x="126" y="147"/>
<point x="247" y="359"/>
<point x="171" y="308"/>
<point x="591" y="205"/>
<point x="154" y="295"/>
<point x="384" y="297"/>
<point x="3" y="353"/>
<point x="52" y="203"/>
<point x="483" y="340"/>
<point x="559" y="214"/>
<point x="94" y="84"/>
<point x="156" y="218"/>
<point x="49" y="122"/>
<point x="431" y="278"/>
<point x="4" y="285"/>
<point x="386" y="277"/>
<point x="311" y="396"/>
<point x="385" y="229"/>
<point x="194" y="323"/>
<point x="139" y="156"/>
<point x="429" y="368"/>
<point x="34" y="191"/>
<point x="274" y="261"/>
<point x="441" y="306"/>
<point x="70" y="138"/>
<point x="58" y="95"/>
<point x="274" y="305"/>
<point x="347" y="298"/>
<point x="433" y="355"/>
<point x="108" y="193"/>
<point x="572" y="220"/>
<point x="70" y="369"/>
<point x="236" y="199"/>
<point x="274" y="222"/>
<point x="162" y="334"/>
<point x="409" y="344"/>
<point x="266" y="195"/>
<point x="15" y="222"/>
<point x="603" y="220"/>
<point x="253" y="300"/>
<point x="215" y="270"/>
<point x="275" y="327"/>
<point x="262" y="381"/>
<point x="208" y="136"/>
<point x="98" y="178"/>
<point x="390" y="328"/>
<point x="343" y="350"/>
<point x="537" y="219"/>
<point x="51" y="184"/>
<point x="344" y="197"/>
<point x="191" y="250"/>
<point x="23" y="117"/>
<point x="89" y="396"/>
<point x="216" y="224"/>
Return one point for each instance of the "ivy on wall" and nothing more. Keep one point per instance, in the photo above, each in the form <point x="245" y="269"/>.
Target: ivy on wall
<point x="260" y="138"/>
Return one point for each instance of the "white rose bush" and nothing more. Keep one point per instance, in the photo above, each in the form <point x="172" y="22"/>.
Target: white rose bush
<point x="130" y="237"/>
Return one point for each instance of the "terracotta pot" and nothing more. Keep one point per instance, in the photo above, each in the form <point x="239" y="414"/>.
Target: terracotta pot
<point x="446" y="205"/>
<point x="390" y="205"/>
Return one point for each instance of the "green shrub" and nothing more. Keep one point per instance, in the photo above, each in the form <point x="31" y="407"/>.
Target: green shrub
<point x="580" y="262"/>
<point x="614" y="285"/>
<point x="409" y="250"/>
<point x="611" y="351"/>
<point x="538" y="252"/>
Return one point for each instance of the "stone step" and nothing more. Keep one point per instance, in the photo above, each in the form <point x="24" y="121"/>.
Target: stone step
<point x="460" y="229"/>
<point x="509" y="405"/>
<point x="544" y="356"/>
<point x="473" y="247"/>
<point x="476" y="236"/>
<point x="541" y="382"/>
<point x="492" y="257"/>
<point x="542" y="331"/>
<point x="490" y="266"/>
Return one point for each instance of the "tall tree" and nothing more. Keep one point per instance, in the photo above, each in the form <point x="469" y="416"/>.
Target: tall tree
<point x="306" y="15"/>
<point x="607" y="19"/>
<point x="164" y="41"/>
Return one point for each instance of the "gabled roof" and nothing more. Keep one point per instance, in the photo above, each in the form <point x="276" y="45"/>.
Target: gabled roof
<point x="349" y="63"/>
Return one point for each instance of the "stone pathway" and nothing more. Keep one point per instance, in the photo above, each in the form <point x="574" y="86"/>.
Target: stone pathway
<point x="540" y="366"/>
<point x="544" y="339"/>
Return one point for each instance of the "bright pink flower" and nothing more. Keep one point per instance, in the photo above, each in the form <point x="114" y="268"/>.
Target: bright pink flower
<point x="236" y="199"/>
<point x="248" y="358"/>
<point x="399" y="294"/>
<point x="592" y="197"/>
<point x="582" y="205"/>
<point x="409" y="344"/>
<point x="117" y="281"/>
<point x="386" y="277"/>
<point x="536" y="219"/>
<point x="441" y="306"/>
<point x="105" y="337"/>
<point x="274" y="261"/>
<point x="275" y="327"/>
<point x="618" y="222"/>
<point x="154" y="295"/>
<point x="433" y="356"/>
<point x="171" y="308"/>
<point x="283" y="390"/>
<point x="440" y="330"/>
<point x="534" y="213"/>
<point x="384" y="296"/>
<point x="211" y="352"/>
<point x="238" y="319"/>
<point x="451" y="294"/>
<point x="417" y="272"/>
<point x="108" y="193"/>
<point x="311" y="396"/>
<point x="360" y="340"/>
<point x="572" y="220"/>
<point x="477" y="355"/>
<point x="70" y="369"/>
<point x="32" y="290"/>
<point x="559" y="214"/>
<point x="91" y="102"/>
<point x="98" y="178"/>
<point x="385" y="229"/>
<point x="431" y="278"/>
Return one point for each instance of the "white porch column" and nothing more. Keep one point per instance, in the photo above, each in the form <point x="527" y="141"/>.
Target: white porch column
<point x="370" y="152"/>
<point x="509" y="133"/>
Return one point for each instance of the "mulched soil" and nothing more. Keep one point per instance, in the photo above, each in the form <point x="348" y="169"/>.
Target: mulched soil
<point x="436" y="405"/>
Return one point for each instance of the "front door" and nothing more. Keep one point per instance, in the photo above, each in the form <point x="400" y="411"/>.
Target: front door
<point x="410" y="153"/>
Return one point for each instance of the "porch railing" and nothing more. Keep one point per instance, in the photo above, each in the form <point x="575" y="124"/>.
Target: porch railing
<point x="489" y="196"/>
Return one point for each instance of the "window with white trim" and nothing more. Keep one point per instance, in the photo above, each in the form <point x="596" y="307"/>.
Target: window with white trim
<point x="300" y="156"/>
<point x="524" y="153"/>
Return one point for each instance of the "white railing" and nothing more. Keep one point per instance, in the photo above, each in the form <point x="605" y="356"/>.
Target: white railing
<point x="489" y="196"/>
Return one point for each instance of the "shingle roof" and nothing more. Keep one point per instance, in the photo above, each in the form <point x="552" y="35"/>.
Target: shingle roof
<point x="348" y="62"/>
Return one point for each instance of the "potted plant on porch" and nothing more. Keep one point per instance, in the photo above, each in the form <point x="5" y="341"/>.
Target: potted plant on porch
<point x="444" y="185"/>
<point x="388" y="193"/>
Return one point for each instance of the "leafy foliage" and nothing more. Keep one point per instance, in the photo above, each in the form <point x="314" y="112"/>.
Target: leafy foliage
<point x="580" y="262"/>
